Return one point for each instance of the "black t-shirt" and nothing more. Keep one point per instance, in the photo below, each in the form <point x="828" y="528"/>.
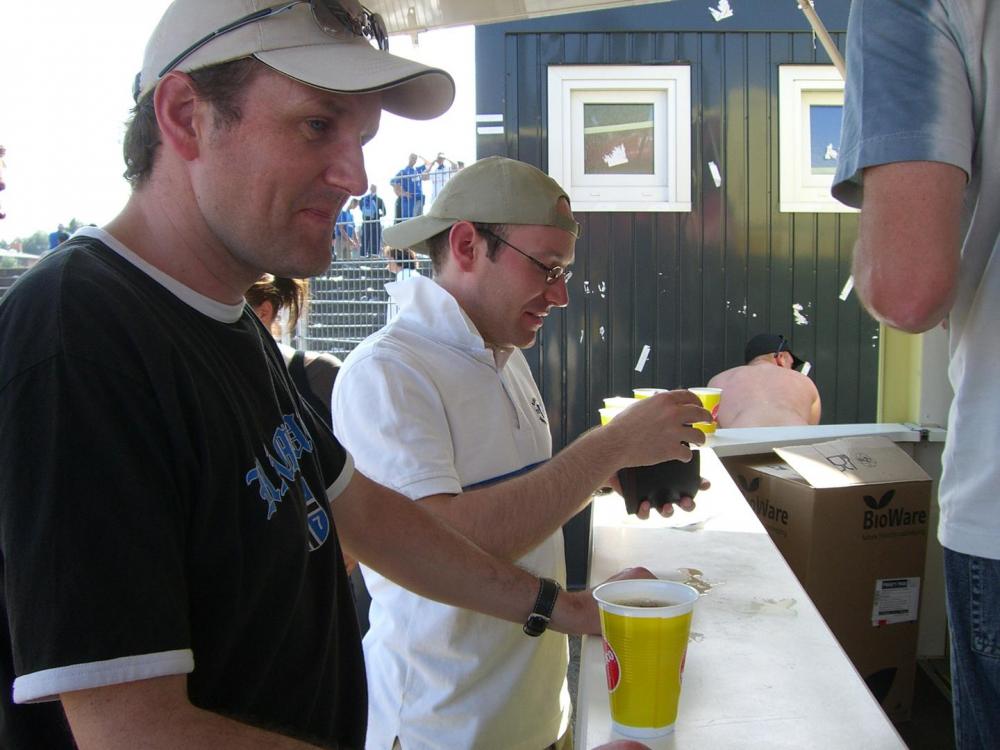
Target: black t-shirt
<point x="163" y="497"/>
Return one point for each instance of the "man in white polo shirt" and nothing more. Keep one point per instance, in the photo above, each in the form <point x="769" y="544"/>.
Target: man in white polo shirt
<point x="441" y="406"/>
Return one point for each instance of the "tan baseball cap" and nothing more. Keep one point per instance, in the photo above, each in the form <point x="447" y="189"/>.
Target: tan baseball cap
<point x="495" y="190"/>
<point x="293" y="43"/>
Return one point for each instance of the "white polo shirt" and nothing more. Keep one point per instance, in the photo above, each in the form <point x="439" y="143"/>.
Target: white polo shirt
<point x="424" y="408"/>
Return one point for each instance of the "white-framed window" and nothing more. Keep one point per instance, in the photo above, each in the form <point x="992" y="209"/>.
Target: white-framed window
<point x="810" y="109"/>
<point x="620" y="136"/>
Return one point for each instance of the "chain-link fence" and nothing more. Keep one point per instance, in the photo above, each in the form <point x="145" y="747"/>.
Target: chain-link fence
<point x="348" y="303"/>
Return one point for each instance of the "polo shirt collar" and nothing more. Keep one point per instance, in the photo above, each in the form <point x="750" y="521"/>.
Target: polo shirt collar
<point x="425" y="306"/>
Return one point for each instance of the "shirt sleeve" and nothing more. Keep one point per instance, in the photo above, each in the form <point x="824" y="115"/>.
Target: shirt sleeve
<point x="907" y="95"/>
<point x="390" y="417"/>
<point x="94" y="525"/>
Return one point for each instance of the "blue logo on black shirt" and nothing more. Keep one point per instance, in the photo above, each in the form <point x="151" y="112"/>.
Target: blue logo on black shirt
<point x="290" y="441"/>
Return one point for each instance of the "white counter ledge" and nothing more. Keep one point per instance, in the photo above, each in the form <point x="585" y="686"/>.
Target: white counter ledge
<point x="763" y="670"/>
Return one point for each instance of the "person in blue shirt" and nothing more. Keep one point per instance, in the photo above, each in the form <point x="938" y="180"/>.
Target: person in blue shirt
<point x="408" y="184"/>
<point x="344" y="236"/>
<point x="372" y="211"/>
<point x="57" y="237"/>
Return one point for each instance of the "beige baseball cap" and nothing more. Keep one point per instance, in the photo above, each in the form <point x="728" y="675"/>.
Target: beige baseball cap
<point x="289" y="40"/>
<point x="495" y="190"/>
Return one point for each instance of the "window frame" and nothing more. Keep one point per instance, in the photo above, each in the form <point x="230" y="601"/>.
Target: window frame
<point x="668" y="87"/>
<point x="799" y="88"/>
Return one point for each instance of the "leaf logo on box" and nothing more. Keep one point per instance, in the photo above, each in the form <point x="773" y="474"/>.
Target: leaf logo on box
<point x="751" y="486"/>
<point x="883" y="501"/>
<point x="891" y="518"/>
<point x="611" y="667"/>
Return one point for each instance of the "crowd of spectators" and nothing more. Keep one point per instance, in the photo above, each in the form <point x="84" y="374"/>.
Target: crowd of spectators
<point x="416" y="185"/>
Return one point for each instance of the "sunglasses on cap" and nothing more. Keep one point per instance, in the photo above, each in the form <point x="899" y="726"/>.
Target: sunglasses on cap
<point x="332" y="16"/>
<point x="781" y="347"/>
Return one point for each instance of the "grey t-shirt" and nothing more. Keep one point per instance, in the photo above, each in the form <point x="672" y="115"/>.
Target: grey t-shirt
<point x="922" y="84"/>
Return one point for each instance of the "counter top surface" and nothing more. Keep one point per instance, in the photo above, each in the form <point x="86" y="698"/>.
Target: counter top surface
<point x="745" y="440"/>
<point x="763" y="669"/>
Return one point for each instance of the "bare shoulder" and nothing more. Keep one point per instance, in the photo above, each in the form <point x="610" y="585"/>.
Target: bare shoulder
<point x="723" y="378"/>
<point x="803" y="381"/>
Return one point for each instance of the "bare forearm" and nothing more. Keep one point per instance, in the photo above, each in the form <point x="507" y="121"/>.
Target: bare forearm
<point x="420" y="552"/>
<point x="511" y="518"/>
<point x="906" y="258"/>
<point x="156" y="714"/>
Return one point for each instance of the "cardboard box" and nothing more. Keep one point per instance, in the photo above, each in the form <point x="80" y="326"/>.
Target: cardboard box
<point x="851" y="518"/>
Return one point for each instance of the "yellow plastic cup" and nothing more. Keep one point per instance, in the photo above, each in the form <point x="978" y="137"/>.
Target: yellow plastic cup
<point x="618" y="402"/>
<point x="710" y="399"/>
<point x="613" y="405"/>
<point x="647" y="392"/>
<point x="645" y="625"/>
<point x="608" y="413"/>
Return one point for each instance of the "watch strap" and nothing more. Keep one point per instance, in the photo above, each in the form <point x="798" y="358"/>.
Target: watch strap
<point x="545" y="602"/>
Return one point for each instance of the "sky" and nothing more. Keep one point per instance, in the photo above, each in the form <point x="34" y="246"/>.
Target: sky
<point x="66" y="71"/>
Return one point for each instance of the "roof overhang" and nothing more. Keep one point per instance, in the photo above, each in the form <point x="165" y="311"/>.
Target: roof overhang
<point x="412" y="16"/>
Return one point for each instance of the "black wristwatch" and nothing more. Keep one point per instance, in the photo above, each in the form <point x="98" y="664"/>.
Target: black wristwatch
<point x="541" y="614"/>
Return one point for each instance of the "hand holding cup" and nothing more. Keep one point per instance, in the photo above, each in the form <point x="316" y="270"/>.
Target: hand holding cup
<point x="658" y="428"/>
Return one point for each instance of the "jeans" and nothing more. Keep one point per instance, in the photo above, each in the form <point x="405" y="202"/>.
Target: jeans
<point x="972" y="587"/>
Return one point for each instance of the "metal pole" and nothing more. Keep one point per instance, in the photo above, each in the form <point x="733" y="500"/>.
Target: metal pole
<point x="824" y="36"/>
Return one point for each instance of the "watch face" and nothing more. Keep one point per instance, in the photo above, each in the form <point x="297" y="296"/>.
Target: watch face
<point x="536" y="625"/>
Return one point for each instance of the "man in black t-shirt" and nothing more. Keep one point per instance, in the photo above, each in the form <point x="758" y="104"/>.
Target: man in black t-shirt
<point x="171" y="512"/>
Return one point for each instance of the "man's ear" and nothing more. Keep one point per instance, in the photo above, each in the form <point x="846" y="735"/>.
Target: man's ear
<point x="177" y="113"/>
<point x="463" y="241"/>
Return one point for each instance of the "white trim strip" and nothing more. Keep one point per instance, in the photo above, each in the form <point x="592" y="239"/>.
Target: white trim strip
<point x="489" y="130"/>
<point x="340" y="484"/>
<point x="49" y="683"/>
<point x="489" y="118"/>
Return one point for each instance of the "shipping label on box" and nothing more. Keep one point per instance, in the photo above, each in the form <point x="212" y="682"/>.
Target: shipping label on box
<point x="896" y="600"/>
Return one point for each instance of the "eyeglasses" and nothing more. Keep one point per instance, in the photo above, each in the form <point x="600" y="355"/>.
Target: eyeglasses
<point x="552" y="273"/>
<point x="333" y="16"/>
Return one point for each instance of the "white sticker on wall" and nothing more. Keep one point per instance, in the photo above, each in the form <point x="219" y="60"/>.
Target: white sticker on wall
<point x="716" y="174"/>
<point x="724" y="10"/>
<point x="800" y="318"/>
<point x="643" y="356"/>
<point x="846" y="291"/>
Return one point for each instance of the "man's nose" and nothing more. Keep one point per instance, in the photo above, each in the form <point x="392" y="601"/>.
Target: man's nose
<point x="557" y="293"/>
<point x="346" y="169"/>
